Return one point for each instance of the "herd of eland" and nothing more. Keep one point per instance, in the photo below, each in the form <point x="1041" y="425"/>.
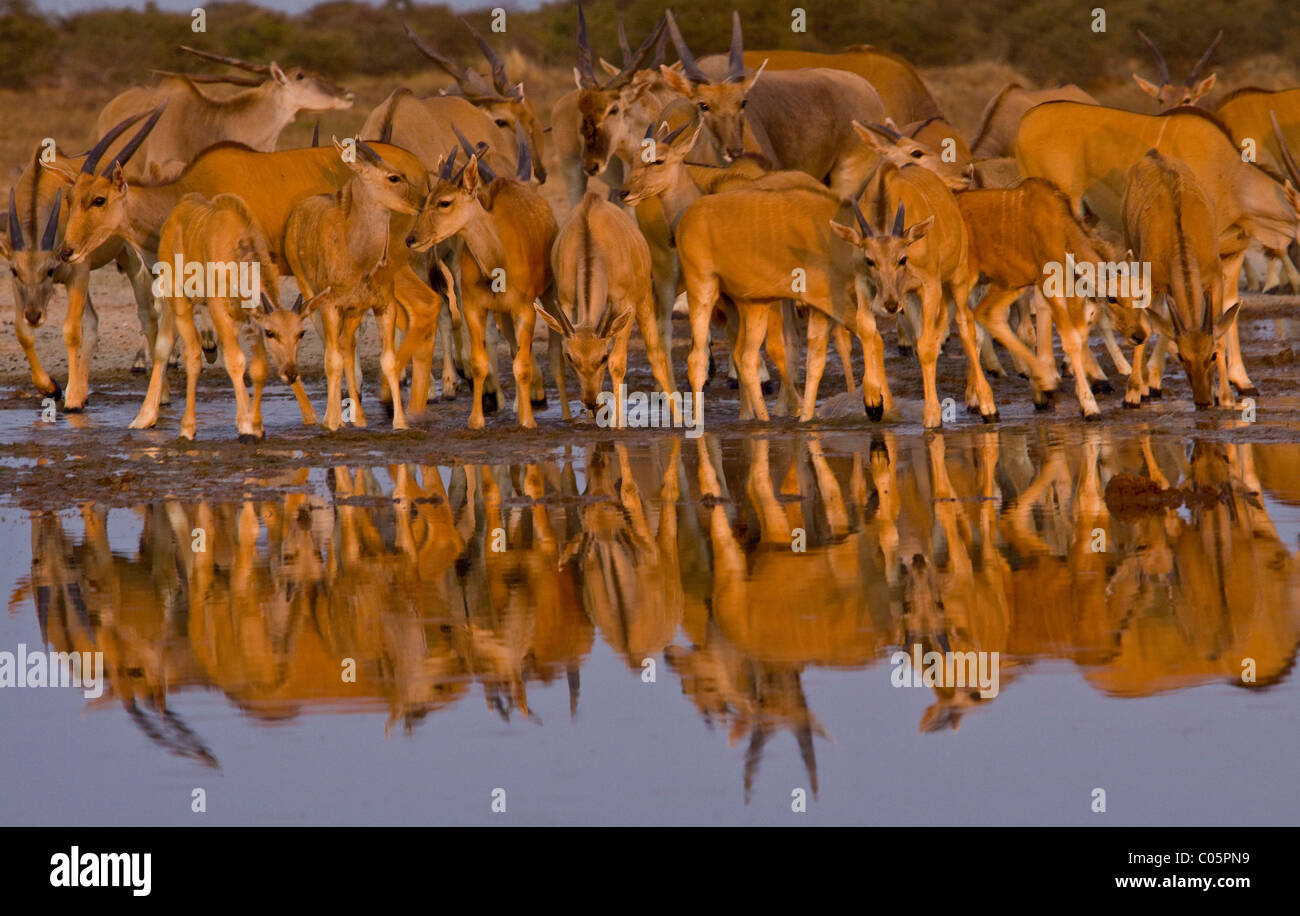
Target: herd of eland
<point x="790" y="198"/>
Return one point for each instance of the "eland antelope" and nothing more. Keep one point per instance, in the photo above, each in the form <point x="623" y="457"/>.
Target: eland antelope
<point x="1169" y="221"/>
<point x="222" y="232"/>
<point x="105" y="205"/>
<point x="598" y="126"/>
<point x="742" y="112"/>
<point x="340" y="242"/>
<point x="1015" y="234"/>
<point x="1087" y="150"/>
<point x="194" y="120"/>
<point x="31" y="243"/>
<point x="510" y="109"/>
<point x="507" y="230"/>
<point x="927" y="259"/>
<point x="1170" y="95"/>
<point x="601" y="265"/>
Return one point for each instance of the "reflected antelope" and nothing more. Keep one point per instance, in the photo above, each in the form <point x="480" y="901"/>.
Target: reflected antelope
<point x="745" y="565"/>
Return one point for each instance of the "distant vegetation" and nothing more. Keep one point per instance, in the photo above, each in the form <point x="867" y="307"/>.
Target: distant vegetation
<point x="1048" y="40"/>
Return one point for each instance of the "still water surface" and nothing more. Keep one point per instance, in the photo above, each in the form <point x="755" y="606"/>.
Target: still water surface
<point x="684" y="631"/>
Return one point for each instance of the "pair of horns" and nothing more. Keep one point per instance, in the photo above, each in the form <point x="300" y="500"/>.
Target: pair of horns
<point x="229" y="61"/>
<point x="885" y="130"/>
<point x="16" y="240"/>
<point x="97" y="151"/>
<point x="471" y="150"/>
<point x="1164" y="67"/>
<point x="650" y="131"/>
<point x="449" y="163"/>
<point x="632" y="60"/>
<point x="523" y="170"/>
<point x="228" y="78"/>
<point x="865" y="227"/>
<point x="471" y="82"/>
<point x="691" y="67"/>
<point x="1287" y="159"/>
<point x="366" y="151"/>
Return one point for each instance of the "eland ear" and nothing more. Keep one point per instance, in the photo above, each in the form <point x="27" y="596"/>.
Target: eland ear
<point x="1149" y="88"/>
<point x="470" y="178"/>
<point x="277" y="74"/>
<point x="119" y="178"/>
<point x="551" y="321"/>
<point x="621" y="322"/>
<point x="1161" y="324"/>
<point x="64" y="173"/>
<point x="677" y="82"/>
<point x="1204" y="86"/>
<point x="1292" y="195"/>
<point x="848" y="233"/>
<point x="306" y="308"/>
<point x="917" y="231"/>
<point x="871" y="138"/>
<point x="1224" y="321"/>
<point x="686" y="140"/>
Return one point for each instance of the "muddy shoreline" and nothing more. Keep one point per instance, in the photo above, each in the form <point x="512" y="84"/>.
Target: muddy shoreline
<point x="92" y="456"/>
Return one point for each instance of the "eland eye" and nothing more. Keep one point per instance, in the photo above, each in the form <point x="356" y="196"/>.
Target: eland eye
<point x="502" y="122"/>
<point x="271" y="335"/>
<point x="394" y="179"/>
<point x="299" y="76"/>
<point x="902" y="262"/>
<point x="870" y="262"/>
<point x="301" y="335"/>
<point x="917" y="154"/>
<point x="50" y="272"/>
<point x="613" y="109"/>
<point x="99" y="202"/>
<point x="703" y="106"/>
<point x="445" y="203"/>
<point x="744" y="102"/>
<point x="14" y="271"/>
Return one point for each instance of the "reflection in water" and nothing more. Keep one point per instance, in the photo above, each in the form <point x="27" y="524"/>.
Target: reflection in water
<point x="739" y="563"/>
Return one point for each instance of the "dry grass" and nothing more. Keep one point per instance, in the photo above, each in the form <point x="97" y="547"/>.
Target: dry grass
<point x="69" y="115"/>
